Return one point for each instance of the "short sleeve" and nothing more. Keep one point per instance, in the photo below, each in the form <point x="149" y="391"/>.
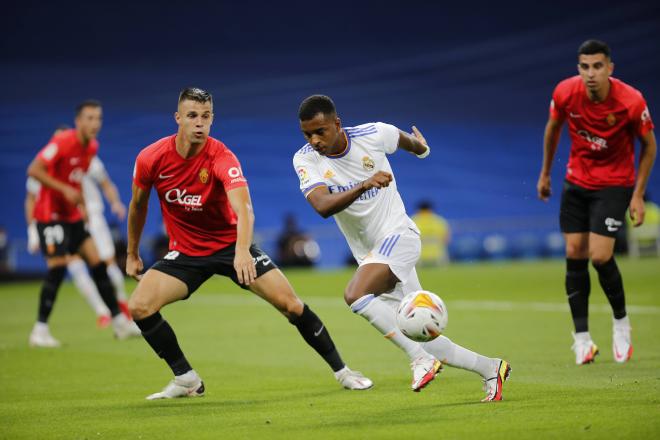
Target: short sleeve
<point x="641" y="118"/>
<point x="308" y="175"/>
<point x="97" y="170"/>
<point x="50" y="153"/>
<point x="142" y="171"/>
<point x="557" y="111"/>
<point x="228" y="170"/>
<point x="389" y="135"/>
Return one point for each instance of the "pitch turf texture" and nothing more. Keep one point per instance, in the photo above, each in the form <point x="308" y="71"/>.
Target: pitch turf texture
<point x="263" y="381"/>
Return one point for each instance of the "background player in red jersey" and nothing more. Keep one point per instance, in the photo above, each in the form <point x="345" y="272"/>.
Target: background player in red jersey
<point x="604" y="116"/>
<point x="208" y="214"/>
<point x="60" y="167"/>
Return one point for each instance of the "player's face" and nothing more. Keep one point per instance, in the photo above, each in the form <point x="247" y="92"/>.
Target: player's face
<point x="89" y="122"/>
<point x="595" y="71"/>
<point x="194" y="120"/>
<point x="322" y="132"/>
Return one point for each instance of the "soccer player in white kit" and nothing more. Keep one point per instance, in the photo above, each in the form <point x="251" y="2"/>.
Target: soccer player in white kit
<point x="98" y="228"/>
<point x="344" y="172"/>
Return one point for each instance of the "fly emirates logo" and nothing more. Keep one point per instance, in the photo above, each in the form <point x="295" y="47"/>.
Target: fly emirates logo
<point x="189" y="201"/>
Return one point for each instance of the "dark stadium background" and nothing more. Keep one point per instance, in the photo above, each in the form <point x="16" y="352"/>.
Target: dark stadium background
<point x="475" y="77"/>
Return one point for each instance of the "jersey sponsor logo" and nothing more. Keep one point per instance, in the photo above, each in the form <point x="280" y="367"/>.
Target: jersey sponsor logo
<point x="50" y="151"/>
<point x="190" y="201"/>
<point x="597" y="143"/>
<point x="203" y="175"/>
<point x="74" y="160"/>
<point x="303" y="176"/>
<point x="368" y="163"/>
<point x="76" y="175"/>
<point x="328" y="174"/>
<point x="369" y="194"/>
<point x="163" y="176"/>
<point x="171" y="255"/>
<point x="236" y="175"/>
<point x="613" y="225"/>
<point x="611" y="119"/>
<point x="574" y="115"/>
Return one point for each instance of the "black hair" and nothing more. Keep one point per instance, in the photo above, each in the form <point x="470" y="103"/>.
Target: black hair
<point x="195" y="94"/>
<point x="425" y="204"/>
<point x="592" y="47"/>
<point x="87" y="103"/>
<point x="315" y="104"/>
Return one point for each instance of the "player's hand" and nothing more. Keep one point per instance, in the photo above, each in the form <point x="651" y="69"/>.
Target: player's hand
<point x="72" y="195"/>
<point x="33" y="239"/>
<point x="418" y="135"/>
<point x="379" y="180"/>
<point x="134" y="266"/>
<point x="244" y="265"/>
<point x="543" y="187"/>
<point x="637" y="210"/>
<point x="119" y="210"/>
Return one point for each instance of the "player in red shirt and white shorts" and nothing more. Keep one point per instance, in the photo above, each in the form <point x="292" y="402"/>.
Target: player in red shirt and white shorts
<point x="208" y="215"/>
<point x="604" y="116"/>
<point x="60" y="167"/>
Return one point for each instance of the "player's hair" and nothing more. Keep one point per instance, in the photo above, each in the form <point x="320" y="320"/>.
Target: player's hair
<point x="315" y="104"/>
<point x="93" y="103"/>
<point x="592" y="47"/>
<point x="195" y="94"/>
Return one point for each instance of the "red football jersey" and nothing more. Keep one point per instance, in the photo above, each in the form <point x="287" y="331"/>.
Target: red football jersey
<point x="67" y="160"/>
<point x="603" y="134"/>
<point x="193" y="193"/>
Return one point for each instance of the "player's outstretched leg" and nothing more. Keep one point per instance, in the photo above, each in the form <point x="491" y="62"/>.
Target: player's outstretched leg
<point x="87" y="288"/>
<point x="578" y="288"/>
<point x="275" y="288"/>
<point x="380" y="312"/>
<point x="117" y="278"/>
<point x="40" y="335"/>
<point x="494" y="371"/>
<point x="612" y="284"/>
<point x="154" y="291"/>
<point x="122" y="327"/>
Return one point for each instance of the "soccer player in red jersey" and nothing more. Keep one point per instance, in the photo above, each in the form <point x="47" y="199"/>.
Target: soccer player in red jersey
<point x="60" y="167"/>
<point x="207" y="211"/>
<point x="604" y="116"/>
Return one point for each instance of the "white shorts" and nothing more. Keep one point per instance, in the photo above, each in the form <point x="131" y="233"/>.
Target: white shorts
<point x="400" y="251"/>
<point x="100" y="232"/>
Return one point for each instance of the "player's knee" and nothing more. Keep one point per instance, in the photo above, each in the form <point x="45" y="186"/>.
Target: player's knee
<point x="352" y="294"/>
<point x="576" y="251"/>
<point x="292" y="308"/>
<point x="598" y="258"/>
<point x="139" y="308"/>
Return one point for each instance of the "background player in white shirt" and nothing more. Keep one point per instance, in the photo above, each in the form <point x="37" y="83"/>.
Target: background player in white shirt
<point x="344" y="172"/>
<point x="98" y="229"/>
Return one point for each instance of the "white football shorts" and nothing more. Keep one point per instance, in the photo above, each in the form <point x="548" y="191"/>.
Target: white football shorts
<point x="100" y="232"/>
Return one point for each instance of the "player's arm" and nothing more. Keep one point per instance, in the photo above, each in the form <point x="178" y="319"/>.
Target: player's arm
<point x="239" y="199"/>
<point x="550" y="142"/>
<point x="112" y="196"/>
<point x="414" y="143"/>
<point x="327" y="203"/>
<point x="33" y="234"/>
<point x="137" y="216"/>
<point x="647" y="156"/>
<point x="29" y="207"/>
<point x="38" y="170"/>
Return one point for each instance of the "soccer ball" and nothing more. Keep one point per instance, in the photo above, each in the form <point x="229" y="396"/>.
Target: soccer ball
<point x="421" y="316"/>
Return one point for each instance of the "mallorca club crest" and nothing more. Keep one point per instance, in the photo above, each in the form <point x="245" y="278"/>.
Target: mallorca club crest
<point x="203" y="175"/>
<point x="611" y="119"/>
<point x="368" y="163"/>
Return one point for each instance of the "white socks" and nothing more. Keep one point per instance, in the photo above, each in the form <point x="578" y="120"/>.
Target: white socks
<point x="86" y="287"/>
<point x="117" y="278"/>
<point x="382" y="316"/>
<point x="460" y="357"/>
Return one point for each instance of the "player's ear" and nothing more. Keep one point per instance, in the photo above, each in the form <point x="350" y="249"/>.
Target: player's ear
<point x="611" y="67"/>
<point x="338" y="123"/>
<point x="177" y="118"/>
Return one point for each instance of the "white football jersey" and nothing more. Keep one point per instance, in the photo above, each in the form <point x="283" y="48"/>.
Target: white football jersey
<point x="90" y="185"/>
<point x="377" y="212"/>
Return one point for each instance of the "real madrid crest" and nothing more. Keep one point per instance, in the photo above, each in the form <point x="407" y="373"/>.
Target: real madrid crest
<point x="203" y="175"/>
<point x="611" y="119"/>
<point x="368" y="163"/>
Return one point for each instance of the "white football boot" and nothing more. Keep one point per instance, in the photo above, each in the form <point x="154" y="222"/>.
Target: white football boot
<point x="124" y="329"/>
<point x="41" y="337"/>
<point x="353" y="380"/>
<point x="186" y="385"/>
<point x="424" y="369"/>
<point x="621" y="341"/>
<point x="584" y="348"/>
<point x="493" y="385"/>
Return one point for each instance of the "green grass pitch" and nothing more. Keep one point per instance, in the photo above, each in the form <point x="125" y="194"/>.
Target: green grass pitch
<point x="263" y="381"/>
